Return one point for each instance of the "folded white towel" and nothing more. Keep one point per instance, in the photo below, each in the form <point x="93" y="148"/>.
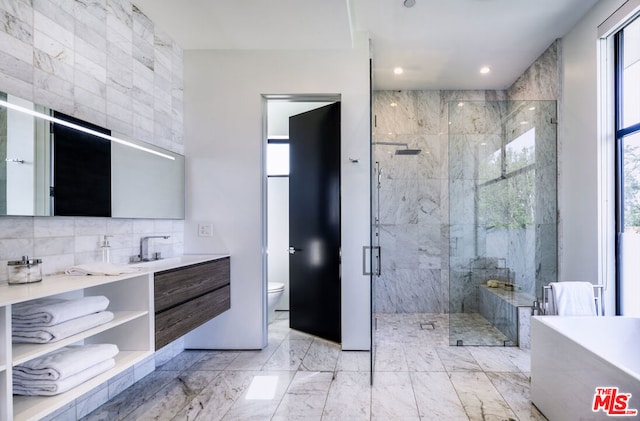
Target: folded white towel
<point x="100" y="268"/>
<point x="572" y="299"/>
<point x="46" y="334"/>
<point x="64" y="362"/>
<point x="55" y="387"/>
<point x="52" y="311"/>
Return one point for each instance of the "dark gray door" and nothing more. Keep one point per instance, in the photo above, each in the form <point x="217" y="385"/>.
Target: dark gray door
<point x="314" y="222"/>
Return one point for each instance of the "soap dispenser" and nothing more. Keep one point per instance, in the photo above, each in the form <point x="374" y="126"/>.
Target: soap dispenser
<point x="106" y="247"/>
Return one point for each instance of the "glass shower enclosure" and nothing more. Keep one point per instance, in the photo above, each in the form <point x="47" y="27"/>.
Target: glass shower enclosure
<point x="502" y="217"/>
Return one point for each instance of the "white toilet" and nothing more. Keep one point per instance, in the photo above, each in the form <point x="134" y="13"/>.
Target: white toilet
<point x="274" y="292"/>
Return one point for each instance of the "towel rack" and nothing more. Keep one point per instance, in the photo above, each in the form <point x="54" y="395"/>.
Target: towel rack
<point x="597" y="296"/>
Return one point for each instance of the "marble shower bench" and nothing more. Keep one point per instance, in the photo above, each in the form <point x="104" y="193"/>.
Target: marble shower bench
<point x="509" y="311"/>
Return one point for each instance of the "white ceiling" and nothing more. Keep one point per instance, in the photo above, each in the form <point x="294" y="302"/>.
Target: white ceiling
<point x="441" y="44"/>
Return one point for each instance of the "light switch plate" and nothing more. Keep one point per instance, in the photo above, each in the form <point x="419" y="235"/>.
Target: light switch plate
<point x="205" y="230"/>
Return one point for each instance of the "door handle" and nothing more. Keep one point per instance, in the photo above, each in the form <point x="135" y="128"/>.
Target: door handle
<point x="292" y="250"/>
<point x="371" y="256"/>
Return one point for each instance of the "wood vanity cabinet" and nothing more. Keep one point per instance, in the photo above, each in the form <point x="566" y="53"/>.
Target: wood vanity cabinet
<point x="189" y="296"/>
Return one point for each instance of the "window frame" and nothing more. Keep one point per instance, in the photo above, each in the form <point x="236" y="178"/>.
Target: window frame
<point x="621" y="132"/>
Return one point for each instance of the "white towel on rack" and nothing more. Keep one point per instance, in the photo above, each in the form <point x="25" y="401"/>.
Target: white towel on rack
<point x="64" y="362"/>
<point x="55" y="387"/>
<point x="44" y="334"/>
<point x="100" y="268"/>
<point x="52" y="311"/>
<point x="572" y="299"/>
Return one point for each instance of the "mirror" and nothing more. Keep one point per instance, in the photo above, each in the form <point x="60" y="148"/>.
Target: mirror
<point x="143" y="183"/>
<point x="52" y="164"/>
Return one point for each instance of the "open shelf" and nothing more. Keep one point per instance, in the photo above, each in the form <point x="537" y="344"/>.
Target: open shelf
<point x="36" y="407"/>
<point x="26" y="352"/>
<point x="130" y="300"/>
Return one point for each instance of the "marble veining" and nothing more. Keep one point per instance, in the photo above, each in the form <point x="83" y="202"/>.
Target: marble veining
<point x="417" y="376"/>
<point x="15" y="26"/>
<point x="436" y="397"/>
<point x="479" y="396"/>
<point x="305" y="398"/>
<point x="429" y="202"/>
<point x="416" y="206"/>
<point x="96" y="60"/>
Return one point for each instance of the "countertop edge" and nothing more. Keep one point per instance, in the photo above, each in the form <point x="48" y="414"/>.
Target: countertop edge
<point x="61" y="283"/>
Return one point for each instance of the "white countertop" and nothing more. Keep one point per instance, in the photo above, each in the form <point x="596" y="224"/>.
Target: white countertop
<point x="58" y="284"/>
<point x="176" y="262"/>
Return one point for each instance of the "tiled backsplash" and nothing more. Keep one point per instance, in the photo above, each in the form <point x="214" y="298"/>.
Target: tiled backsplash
<point x="105" y="62"/>
<point x="62" y="242"/>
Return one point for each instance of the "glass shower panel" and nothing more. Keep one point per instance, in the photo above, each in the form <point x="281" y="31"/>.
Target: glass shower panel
<point x="502" y="216"/>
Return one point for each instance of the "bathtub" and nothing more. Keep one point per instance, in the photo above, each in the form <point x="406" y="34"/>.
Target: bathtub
<point x="572" y="356"/>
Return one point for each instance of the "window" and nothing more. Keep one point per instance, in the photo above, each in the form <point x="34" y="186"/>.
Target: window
<point x="278" y="158"/>
<point x="627" y="129"/>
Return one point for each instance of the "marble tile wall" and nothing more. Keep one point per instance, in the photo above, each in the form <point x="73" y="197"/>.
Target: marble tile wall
<point x="3" y="163"/>
<point x="427" y="259"/>
<point x="414" y="196"/>
<point x="509" y="312"/>
<point x="105" y="62"/>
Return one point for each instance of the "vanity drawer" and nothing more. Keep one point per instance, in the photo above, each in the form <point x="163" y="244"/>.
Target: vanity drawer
<point x="180" y="320"/>
<point x="177" y="286"/>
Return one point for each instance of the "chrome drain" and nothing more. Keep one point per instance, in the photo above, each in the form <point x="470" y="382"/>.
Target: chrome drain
<point x="428" y="325"/>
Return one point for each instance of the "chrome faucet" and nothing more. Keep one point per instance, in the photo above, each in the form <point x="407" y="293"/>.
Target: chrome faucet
<point x="144" y="247"/>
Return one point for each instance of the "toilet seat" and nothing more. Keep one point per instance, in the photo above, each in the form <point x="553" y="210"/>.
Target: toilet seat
<point x="275" y="287"/>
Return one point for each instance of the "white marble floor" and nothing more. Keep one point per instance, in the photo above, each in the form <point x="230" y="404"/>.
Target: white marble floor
<point x="474" y="329"/>
<point x="418" y="376"/>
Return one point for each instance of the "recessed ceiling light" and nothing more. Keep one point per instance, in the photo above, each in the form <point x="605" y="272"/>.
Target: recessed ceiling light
<point x="532" y="108"/>
<point x="393" y="104"/>
<point x="460" y="104"/>
<point x="485" y="69"/>
<point x="398" y="71"/>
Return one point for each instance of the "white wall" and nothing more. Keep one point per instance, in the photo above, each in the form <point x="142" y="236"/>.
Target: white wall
<point x="578" y="181"/>
<point x="224" y="126"/>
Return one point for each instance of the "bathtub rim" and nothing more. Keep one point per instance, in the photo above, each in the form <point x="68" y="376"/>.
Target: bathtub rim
<point x="550" y="320"/>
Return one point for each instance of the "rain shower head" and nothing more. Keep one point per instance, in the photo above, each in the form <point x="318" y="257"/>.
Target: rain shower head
<point x="408" y="151"/>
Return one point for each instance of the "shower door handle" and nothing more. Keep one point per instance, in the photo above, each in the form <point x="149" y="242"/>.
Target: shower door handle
<point x="371" y="254"/>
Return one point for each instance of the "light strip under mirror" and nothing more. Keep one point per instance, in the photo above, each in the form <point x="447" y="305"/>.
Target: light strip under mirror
<point x="82" y="129"/>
